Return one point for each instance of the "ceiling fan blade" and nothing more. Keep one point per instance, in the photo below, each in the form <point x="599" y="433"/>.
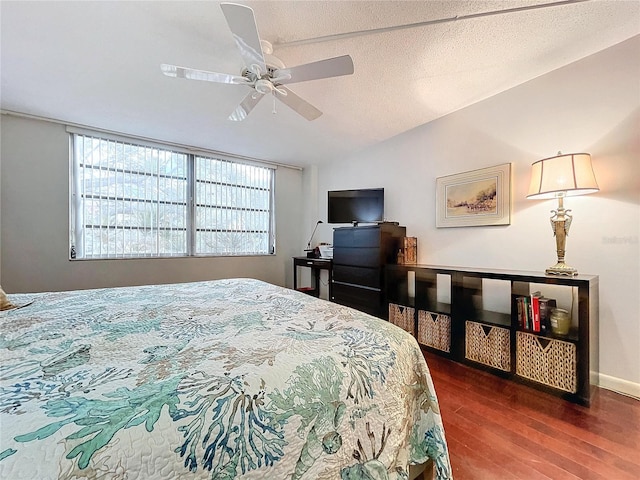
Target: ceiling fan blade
<point x="192" y="74"/>
<point x="331" y="67"/>
<point x="246" y="105"/>
<point x="297" y="104"/>
<point x="243" y="26"/>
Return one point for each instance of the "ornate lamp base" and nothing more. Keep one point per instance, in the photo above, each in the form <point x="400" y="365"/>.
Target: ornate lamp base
<point x="560" y="223"/>
<point x="561" y="268"/>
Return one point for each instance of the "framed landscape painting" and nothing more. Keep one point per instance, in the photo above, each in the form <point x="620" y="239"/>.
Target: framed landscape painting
<point x="476" y="198"/>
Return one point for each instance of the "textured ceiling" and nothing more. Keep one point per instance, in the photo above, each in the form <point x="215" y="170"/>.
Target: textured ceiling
<point x="97" y="64"/>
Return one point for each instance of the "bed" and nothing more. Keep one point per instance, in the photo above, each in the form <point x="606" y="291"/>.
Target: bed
<point x="226" y="379"/>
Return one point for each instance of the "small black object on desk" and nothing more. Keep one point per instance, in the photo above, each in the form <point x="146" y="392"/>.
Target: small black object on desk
<point x="316" y="265"/>
<point x="313" y="253"/>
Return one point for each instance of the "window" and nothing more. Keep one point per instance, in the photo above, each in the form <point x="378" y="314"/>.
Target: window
<point x="232" y="207"/>
<point x="142" y="200"/>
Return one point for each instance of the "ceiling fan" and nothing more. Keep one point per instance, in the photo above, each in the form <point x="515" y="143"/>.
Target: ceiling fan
<point x="263" y="73"/>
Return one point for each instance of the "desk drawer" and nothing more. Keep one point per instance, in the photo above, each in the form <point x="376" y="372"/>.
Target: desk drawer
<point x="368" y="277"/>
<point x="313" y="262"/>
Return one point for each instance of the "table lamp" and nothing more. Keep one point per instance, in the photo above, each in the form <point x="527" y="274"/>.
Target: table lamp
<point x="558" y="177"/>
<point x="311" y="251"/>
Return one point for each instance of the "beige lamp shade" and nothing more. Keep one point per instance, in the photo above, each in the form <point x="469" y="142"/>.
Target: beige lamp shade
<point x="562" y="175"/>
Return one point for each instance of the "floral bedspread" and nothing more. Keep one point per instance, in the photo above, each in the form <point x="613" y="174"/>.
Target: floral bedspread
<point x="228" y="379"/>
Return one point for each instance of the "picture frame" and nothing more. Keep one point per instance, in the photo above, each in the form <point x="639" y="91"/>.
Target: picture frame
<point x="475" y="198"/>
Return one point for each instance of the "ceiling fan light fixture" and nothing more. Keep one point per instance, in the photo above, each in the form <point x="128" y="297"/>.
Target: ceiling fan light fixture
<point x="281" y="77"/>
<point x="263" y="86"/>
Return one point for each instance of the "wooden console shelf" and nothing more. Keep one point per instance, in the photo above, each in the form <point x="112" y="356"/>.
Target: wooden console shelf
<point x="471" y="316"/>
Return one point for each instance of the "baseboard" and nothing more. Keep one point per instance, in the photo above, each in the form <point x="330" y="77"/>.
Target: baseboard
<point x="619" y="385"/>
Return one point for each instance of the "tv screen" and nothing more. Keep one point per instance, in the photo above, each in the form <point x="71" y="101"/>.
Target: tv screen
<point x="356" y="206"/>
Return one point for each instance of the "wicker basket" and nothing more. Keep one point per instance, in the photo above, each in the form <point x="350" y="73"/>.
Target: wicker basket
<point x="553" y="365"/>
<point x="489" y="345"/>
<point x="434" y="330"/>
<point x="403" y="317"/>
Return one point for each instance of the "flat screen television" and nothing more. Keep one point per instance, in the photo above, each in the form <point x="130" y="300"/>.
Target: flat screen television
<point x="356" y="206"/>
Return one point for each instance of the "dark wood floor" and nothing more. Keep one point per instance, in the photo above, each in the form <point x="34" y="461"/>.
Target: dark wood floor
<point x="497" y="429"/>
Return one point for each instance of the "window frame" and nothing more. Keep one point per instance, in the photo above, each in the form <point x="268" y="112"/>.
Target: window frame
<point x="75" y="194"/>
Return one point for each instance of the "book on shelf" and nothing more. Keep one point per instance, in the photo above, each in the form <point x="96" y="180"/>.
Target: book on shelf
<point x="523" y="313"/>
<point x="546" y="306"/>
<point x="527" y="312"/>
<point x="519" y="310"/>
<point x="534" y="312"/>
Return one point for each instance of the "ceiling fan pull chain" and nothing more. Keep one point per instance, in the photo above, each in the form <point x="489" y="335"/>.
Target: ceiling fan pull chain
<point x="274" y="105"/>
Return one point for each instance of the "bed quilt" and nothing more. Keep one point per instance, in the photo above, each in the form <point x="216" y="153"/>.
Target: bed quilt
<point x="228" y="379"/>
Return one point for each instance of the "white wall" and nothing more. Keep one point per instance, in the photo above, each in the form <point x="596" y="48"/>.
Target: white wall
<point x="34" y="233"/>
<point x="590" y="106"/>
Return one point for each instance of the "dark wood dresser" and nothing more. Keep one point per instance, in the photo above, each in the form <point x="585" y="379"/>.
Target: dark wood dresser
<point x="359" y="257"/>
